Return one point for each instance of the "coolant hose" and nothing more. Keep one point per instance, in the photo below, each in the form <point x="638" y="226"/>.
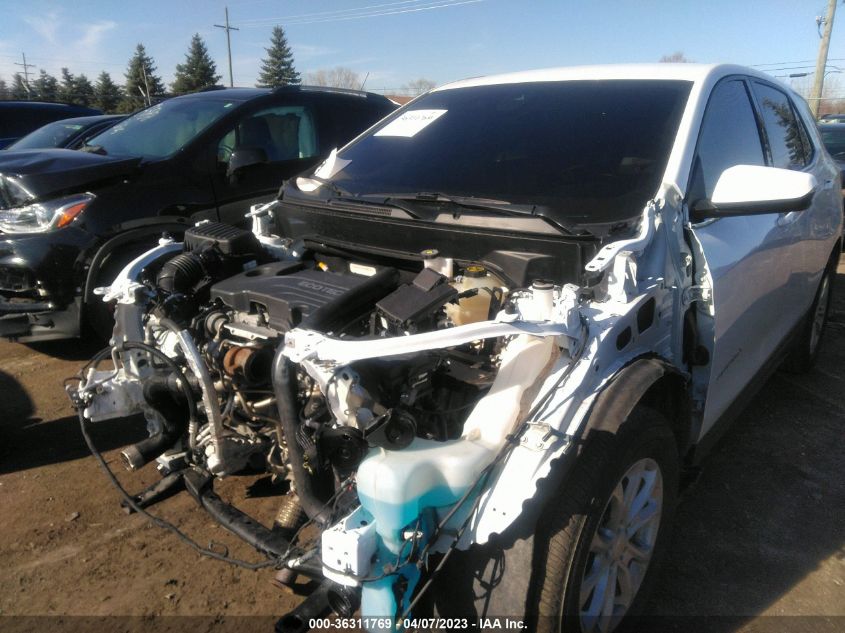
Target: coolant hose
<point x="159" y="392"/>
<point x="139" y="454"/>
<point x="136" y="455"/>
<point x="314" y="606"/>
<point x="284" y="388"/>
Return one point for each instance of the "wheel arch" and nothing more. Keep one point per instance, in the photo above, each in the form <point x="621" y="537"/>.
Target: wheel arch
<point x="125" y="238"/>
<point x="650" y="381"/>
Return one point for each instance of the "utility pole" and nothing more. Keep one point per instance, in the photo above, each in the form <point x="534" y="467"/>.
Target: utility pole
<point x="821" y="62"/>
<point x="147" y="96"/>
<point x="26" y="68"/>
<point x="228" y="28"/>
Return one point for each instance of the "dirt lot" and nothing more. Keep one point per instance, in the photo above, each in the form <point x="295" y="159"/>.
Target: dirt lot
<point x="760" y="534"/>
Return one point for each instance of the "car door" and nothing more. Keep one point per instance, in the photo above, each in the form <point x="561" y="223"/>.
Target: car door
<point x="790" y="148"/>
<point x="287" y="134"/>
<point x="749" y="258"/>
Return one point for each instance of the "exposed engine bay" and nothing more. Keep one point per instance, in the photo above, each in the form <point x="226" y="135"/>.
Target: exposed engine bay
<point x="410" y="405"/>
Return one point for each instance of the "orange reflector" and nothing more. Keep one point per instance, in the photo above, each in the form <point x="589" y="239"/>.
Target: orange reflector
<point x="70" y="213"/>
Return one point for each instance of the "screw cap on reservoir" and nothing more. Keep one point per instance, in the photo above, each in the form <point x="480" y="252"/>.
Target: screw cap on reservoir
<point x="475" y="271"/>
<point x="542" y="284"/>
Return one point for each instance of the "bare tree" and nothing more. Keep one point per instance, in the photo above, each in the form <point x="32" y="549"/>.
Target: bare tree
<point x="338" y="77"/>
<point x="419" y="86"/>
<point x="677" y="57"/>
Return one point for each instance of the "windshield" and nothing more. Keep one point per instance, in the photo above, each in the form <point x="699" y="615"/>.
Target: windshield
<point x="51" y="135"/>
<point x="592" y="151"/>
<point x="161" y="130"/>
<point x="834" y="140"/>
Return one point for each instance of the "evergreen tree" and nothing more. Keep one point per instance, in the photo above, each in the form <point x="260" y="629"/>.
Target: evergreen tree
<point x="140" y="65"/>
<point x="66" y="87"/>
<point x="46" y="87"/>
<point x="199" y="70"/>
<point x="107" y="94"/>
<point x="5" y="93"/>
<point x="277" y="68"/>
<point x="19" y="91"/>
<point x="83" y="91"/>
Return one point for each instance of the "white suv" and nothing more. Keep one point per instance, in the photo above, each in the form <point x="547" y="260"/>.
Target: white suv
<point x="484" y="340"/>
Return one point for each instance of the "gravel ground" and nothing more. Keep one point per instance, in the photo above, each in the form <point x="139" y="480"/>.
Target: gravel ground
<point x="759" y="534"/>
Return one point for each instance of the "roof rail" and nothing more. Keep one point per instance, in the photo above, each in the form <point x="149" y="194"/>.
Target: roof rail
<point x="345" y="91"/>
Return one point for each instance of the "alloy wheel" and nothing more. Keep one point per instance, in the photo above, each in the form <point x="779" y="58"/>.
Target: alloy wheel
<point x="621" y="547"/>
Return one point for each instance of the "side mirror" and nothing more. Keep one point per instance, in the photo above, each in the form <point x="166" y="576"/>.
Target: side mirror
<point x="754" y="190"/>
<point x="243" y="157"/>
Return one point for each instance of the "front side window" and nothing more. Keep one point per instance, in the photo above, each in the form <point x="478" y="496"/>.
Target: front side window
<point x="284" y="133"/>
<point x="586" y="151"/>
<point x="161" y="130"/>
<point x="729" y="136"/>
<point x="786" y="138"/>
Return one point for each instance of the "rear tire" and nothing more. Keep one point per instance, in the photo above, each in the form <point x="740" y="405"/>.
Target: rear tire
<point x="608" y="527"/>
<point x="805" y="349"/>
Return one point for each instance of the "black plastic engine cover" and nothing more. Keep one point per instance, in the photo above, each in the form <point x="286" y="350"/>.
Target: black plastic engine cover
<point x="230" y="240"/>
<point x="289" y="294"/>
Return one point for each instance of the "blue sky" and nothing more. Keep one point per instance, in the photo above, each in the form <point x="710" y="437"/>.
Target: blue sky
<point x="399" y="41"/>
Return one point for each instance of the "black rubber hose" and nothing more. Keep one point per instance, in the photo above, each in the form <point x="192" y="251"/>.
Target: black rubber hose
<point x="284" y="388"/>
<point x="344" y="600"/>
<point x="139" y="454"/>
<point x="158" y="392"/>
<point x="314" y="606"/>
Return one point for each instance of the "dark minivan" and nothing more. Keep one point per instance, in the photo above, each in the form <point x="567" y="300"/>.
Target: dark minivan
<point x="19" y="118"/>
<point x="70" y="220"/>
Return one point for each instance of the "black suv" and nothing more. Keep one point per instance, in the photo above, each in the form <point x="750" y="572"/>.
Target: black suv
<point x="70" y="220"/>
<point x="19" y="118"/>
<point x="70" y="133"/>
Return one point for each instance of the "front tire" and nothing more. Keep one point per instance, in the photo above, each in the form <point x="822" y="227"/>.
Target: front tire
<point x="98" y="316"/>
<point x="606" y="530"/>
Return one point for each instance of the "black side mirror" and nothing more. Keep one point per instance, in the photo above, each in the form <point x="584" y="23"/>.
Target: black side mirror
<point x="243" y="157"/>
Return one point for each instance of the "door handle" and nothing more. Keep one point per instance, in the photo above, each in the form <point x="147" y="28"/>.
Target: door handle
<point x="785" y="219"/>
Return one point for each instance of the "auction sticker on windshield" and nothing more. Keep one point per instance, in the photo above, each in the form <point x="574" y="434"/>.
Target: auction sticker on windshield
<point x="410" y="123"/>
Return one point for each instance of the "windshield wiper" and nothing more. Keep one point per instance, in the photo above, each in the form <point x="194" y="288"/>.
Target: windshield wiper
<point x="343" y="195"/>
<point x="467" y="202"/>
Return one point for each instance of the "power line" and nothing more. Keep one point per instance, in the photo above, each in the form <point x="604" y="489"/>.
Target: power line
<point x="228" y="28"/>
<point x="801" y="61"/>
<point x="373" y="14"/>
<point x="65" y="60"/>
<point x="331" y="13"/>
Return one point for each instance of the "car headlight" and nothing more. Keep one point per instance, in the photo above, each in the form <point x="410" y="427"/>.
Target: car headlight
<point x="39" y="217"/>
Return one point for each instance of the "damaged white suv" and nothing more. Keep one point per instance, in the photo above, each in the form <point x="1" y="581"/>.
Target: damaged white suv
<point x="480" y="344"/>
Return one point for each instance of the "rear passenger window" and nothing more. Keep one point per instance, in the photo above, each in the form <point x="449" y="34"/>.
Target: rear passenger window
<point x="729" y="137"/>
<point x="785" y="133"/>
